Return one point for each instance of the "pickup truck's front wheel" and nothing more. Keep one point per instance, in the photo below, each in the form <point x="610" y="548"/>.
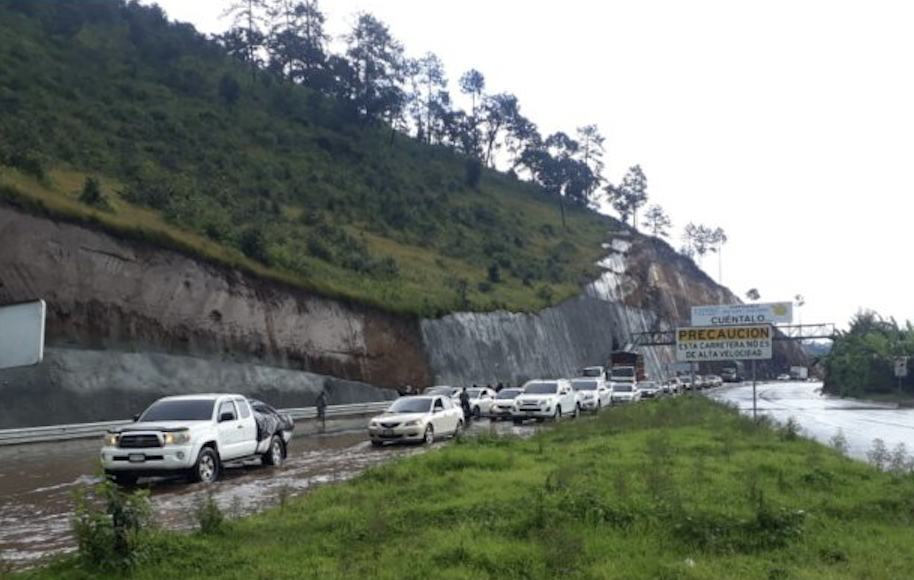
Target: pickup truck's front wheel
<point x="206" y="470"/>
<point x="275" y="453"/>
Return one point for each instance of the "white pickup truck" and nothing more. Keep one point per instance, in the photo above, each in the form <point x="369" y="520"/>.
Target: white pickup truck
<point x="195" y="435"/>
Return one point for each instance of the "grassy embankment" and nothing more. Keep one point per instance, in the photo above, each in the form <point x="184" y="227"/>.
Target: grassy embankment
<point x="427" y="282"/>
<point x="677" y="489"/>
<point x="277" y="180"/>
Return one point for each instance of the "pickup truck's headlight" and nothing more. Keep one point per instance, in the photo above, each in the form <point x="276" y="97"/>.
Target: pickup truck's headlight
<point x="111" y="439"/>
<point x="177" y="437"/>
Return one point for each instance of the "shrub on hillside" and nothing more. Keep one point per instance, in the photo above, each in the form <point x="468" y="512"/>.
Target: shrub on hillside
<point x="29" y="163"/>
<point x="91" y="194"/>
<point x="253" y="245"/>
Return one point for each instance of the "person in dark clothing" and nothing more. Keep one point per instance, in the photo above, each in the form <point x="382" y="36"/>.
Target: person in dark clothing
<point x="499" y="387"/>
<point x="465" y="404"/>
<point x="321" y="404"/>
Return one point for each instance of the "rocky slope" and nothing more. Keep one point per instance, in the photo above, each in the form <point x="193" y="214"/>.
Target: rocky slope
<point x="128" y="322"/>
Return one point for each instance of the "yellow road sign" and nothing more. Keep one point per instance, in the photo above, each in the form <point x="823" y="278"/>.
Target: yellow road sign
<point x="748" y="342"/>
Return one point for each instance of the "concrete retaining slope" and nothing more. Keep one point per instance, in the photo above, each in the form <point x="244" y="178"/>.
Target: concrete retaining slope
<point x="73" y="386"/>
<point x="644" y="286"/>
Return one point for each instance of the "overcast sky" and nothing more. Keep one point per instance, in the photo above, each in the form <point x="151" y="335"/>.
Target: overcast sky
<point x="788" y="123"/>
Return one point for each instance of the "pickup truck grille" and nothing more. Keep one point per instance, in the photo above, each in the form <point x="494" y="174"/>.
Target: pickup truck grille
<point x="139" y="441"/>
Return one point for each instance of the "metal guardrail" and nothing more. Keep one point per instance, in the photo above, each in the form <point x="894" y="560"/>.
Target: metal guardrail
<point x="88" y="430"/>
<point x="339" y="410"/>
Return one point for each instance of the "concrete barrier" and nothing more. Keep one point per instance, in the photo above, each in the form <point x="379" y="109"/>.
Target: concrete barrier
<point x="89" y="430"/>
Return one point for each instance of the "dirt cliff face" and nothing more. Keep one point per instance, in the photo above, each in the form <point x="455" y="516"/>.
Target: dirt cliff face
<point x="109" y="294"/>
<point x="129" y="322"/>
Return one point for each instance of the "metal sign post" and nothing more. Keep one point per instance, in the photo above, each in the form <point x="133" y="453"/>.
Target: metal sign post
<point x="901" y="370"/>
<point x="754" y="397"/>
<point x="724" y="343"/>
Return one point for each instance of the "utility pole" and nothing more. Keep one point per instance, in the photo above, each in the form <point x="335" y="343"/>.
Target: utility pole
<point x="720" y="265"/>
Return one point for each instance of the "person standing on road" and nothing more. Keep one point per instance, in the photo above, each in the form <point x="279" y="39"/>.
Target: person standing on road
<point x="465" y="404"/>
<point x="321" y="404"/>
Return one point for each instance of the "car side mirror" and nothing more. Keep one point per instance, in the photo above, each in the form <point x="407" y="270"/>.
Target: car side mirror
<point x="226" y="417"/>
<point x="136" y="417"/>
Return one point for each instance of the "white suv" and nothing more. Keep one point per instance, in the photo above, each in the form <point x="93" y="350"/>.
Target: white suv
<point x="193" y="435"/>
<point x="626" y="393"/>
<point x="544" y="399"/>
<point x="593" y="393"/>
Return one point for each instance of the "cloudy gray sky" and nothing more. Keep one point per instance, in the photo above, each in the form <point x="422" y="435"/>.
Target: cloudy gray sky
<point x="789" y="123"/>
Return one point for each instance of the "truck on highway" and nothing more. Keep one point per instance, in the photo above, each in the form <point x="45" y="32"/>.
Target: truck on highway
<point x="195" y="435"/>
<point x="626" y="367"/>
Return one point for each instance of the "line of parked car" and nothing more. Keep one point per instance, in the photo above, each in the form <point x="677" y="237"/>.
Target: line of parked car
<point x="438" y="413"/>
<point x="195" y="435"/>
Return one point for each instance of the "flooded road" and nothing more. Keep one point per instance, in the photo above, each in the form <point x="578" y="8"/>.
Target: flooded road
<point x="37" y="483"/>
<point x="822" y="416"/>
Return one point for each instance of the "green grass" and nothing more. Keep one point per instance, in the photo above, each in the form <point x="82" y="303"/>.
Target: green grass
<point x="672" y="489"/>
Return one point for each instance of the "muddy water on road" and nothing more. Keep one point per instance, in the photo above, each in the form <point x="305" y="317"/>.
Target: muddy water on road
<point x="822" y="417"/>
<point x="37" y="483"/>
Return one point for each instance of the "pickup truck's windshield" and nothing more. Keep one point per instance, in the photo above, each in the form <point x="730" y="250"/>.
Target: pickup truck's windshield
<point x="623" y="372"/>
<point x="180" y="410"/>
<point x="508" y="394"/>
<point x="593" y="372"/>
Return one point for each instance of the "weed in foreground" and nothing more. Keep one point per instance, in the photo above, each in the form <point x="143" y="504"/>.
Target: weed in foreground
<point x="839" y="442"/>
<point x="899" y="461"/>
<point x="282" y="497"/>
<point x="209" y="516"/>
<point x="878" y="455"/>
<point x="113" y="529"/>
<point x="791" y="430"/>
